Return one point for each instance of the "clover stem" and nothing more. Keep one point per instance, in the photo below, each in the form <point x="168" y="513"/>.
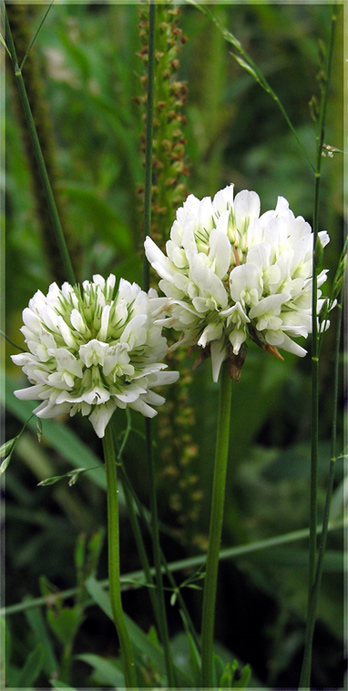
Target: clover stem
<point x="215" y="530"/>
<point x="114" y="560"/>
<point x="313" y="574"/>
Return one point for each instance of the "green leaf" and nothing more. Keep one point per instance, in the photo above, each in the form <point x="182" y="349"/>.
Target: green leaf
<point x="37" y="624"/>
<point x="64" y="622"/>
<point x="61" y="438"/>
<point x="294" y="462"/>
<point x="96" y="210"/>
<point x="244" y="679"/>
<point x="56" y="684"/>
<point x="32" y="667"/>
<point x="139" y="639"/>
<point x="39" y="429"/>
<point x="6" y="448"/>
<point x="4" y="464"/>
<point x="72" y="474"/>
<point x="195" y="659"/>
<point x="5" y="46"/>
<point x="228" y="674"/>
<point x="94" y="547"/>
<point x="107" y="670"/>
<point x="243" y="63"/>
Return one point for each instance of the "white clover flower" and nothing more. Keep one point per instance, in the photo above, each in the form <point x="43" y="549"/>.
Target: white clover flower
<point x="230" y="272"/>
<point x="93" y="349"/>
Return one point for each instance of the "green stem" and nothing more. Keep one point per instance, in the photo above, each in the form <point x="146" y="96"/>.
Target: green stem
<point x="146" y="284"/>
<point x="157" y="559"/>
<point x="114" y="560"/>
<point x="149" y="138"/>
<point x="56" y="225"/>
<point x="132" y="501"/>
<point x="216" y="518"/>
<point x="129" y="579"/>
<point x="314" y="595"/>
<point x="312" y="589"/>
<point x="139" y="542"/>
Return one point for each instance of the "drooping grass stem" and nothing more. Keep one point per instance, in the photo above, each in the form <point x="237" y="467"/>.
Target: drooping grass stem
<point x="313" y="589"/>
<point x="215" y="530"/>
<point x="56" y="225"/>
<point x="114" y="560"/>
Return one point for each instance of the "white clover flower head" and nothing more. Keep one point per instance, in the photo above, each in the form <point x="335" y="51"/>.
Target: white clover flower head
<point x="93" y="349"/>
<point x="230" y="272"/>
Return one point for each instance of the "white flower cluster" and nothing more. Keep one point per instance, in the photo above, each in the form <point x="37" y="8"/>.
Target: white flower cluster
<point x="229" y="271"/>
<point x="93" y="349"/>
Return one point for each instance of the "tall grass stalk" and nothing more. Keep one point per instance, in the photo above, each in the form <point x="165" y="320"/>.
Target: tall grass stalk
<point x="56" y="224"/>
<point x="215" y="529"/>
<point x="114" y="560"/>
<point x="146" y="284"/>
<point x="313" y="581"/>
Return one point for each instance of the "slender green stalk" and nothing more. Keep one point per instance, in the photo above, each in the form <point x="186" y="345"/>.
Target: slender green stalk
<point x="157" y="559"/>
<point x="137" y="577"/>
<point x="312" y="591"/>
<point x="56" y="225"/>
<point x="216" y="518"/>
<point x="114" y="560"/>
<point x="139" y="542"/>
<point x="36" y="34"/>
<point x="314" y="595"/>
<point x="146" y="284"/>
<point x="149" y="138"/>
<point x="132" y="501"/>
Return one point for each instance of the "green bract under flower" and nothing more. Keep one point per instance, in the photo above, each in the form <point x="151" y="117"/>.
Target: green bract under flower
<point x="94" y="349"/>
<point x="230" y="272"/>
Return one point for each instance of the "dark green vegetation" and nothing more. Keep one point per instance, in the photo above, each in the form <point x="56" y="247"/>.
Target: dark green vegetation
<point x="84" y="78"/>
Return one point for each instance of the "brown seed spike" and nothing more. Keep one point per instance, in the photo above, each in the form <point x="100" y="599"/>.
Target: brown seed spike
<point x="272" y="350"/>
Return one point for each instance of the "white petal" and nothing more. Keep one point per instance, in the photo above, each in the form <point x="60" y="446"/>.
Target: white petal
<point x="324" y="237"/>
<point x="32" y="393"/>
<point x="219" y="252"/>
<point x="93" y="352"/>
<point x="246" y="283"/>
<point x="143" y="408"/>
<point x="210" y="333"/>
<point x="218" y="355"/>
<point x="100" y="417"/>
<point x="246" y="207"/>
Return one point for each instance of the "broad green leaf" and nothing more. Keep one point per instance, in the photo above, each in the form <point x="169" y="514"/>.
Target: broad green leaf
<point x="32" y="667"/>
<point x="107" y="670"/>
<point x="56" y="684"/>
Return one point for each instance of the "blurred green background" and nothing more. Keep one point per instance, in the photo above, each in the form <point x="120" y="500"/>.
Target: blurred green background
<point x="84" y="75"/>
